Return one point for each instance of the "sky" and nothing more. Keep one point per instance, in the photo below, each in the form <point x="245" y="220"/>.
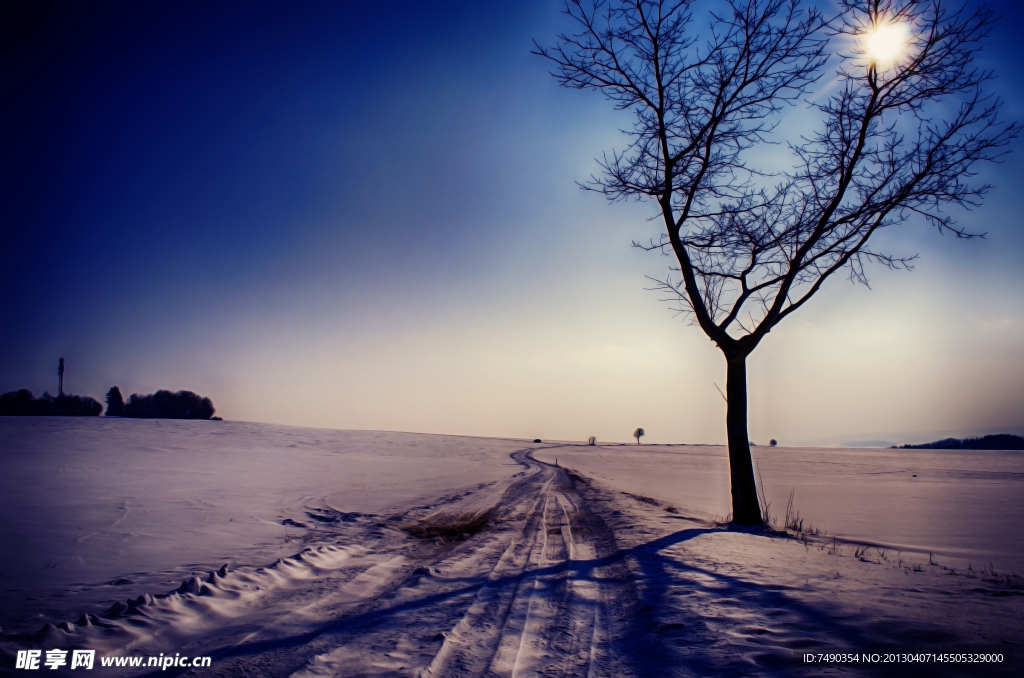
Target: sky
<point x="365" y="216"/>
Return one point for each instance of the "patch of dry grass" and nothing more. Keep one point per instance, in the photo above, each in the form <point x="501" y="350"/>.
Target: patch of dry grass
<point x="576" y="477"/>
<point x="793" y="521"/>
<point x="579" y="524"/>
<point x="448" y="528"/>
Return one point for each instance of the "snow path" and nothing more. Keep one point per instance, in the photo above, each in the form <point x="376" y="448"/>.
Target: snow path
<point x="537" y="611"/>
<point x="571" y="578"/>
<point x="520" y="599"/>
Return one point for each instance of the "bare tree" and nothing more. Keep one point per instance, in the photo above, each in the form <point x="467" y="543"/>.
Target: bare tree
<point x="899" y="125"/>
<point x="638" y="434"/>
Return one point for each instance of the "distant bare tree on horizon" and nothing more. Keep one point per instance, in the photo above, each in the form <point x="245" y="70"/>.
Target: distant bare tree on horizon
<point x="639" y="433"/>
<point x="895" y="135"/>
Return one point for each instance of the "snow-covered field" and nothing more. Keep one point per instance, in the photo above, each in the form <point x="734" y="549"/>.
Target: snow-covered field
<point x="89" y="502"/>
<point x="116" y="531"/>
<point x="965" y="505"/>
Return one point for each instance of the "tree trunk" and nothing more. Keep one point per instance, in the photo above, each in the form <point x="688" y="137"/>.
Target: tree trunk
<point x="745" y="508"/>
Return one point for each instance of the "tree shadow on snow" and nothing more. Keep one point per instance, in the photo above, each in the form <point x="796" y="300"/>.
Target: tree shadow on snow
<point x="702" y="622"/>
<point x="658" y="635"/>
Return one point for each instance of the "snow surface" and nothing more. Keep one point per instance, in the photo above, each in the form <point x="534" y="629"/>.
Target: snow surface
<point x="93" y="501"/>
<point x="580" y="574"/>
<point x="963" y="504"/>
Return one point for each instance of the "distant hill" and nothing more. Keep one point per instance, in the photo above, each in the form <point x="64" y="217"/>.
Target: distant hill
<point x="23" y="404"/>
<point x="999" y="441"/>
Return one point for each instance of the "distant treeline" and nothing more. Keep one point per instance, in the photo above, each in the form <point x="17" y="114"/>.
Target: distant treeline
<point x="999" y="441"/>
<point x="23" y="404"/>
<point x="159" y="405"/>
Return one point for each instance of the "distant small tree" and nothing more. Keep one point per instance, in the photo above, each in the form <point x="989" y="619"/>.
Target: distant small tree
<point x="115" y="402"/>
<point x="773" y="442"/>
<point x="592" y="440"/>
<point x="637" y="434"/>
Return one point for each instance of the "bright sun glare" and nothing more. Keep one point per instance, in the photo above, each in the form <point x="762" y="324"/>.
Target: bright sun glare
<point x="885" y="43"/>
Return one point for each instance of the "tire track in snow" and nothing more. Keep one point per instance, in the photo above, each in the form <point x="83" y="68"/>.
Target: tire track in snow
<point x="525" y="597"/>
<point x="537" y="614"/>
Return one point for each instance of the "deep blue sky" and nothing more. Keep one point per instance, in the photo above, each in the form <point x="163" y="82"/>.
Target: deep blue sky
<point x="362" y="215"/>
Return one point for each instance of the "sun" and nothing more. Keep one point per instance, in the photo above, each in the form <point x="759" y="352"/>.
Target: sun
<point x="885" y="44"/>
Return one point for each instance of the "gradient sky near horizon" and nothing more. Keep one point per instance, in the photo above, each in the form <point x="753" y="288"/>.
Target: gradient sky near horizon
<point x="363" y="215"/>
